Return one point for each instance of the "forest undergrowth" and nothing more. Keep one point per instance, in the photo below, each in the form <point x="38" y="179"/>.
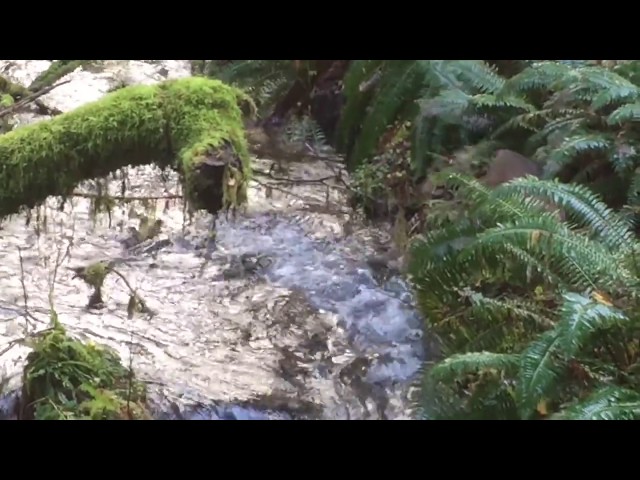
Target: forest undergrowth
<point x="529" y="285"/>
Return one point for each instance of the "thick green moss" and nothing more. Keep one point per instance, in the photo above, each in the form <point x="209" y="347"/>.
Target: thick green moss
<point x="6" y="100"/>
<point x="179" y="123"/>
<point x="65" y="379"/>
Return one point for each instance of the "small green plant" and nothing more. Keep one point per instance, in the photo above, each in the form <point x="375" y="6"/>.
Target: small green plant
<point x="369" y="180"/>
<point x="65" y="379"/>
<point x="6" y="101"/>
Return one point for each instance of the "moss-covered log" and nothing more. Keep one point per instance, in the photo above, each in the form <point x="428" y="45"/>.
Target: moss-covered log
<point x="194" y="125"/>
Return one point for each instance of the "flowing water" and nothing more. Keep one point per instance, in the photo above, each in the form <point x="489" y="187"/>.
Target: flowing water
<point x="278" y="318"/>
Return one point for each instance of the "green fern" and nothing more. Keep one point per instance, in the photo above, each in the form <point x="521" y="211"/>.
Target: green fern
<point x="625" y="113"/>
<point x="581" y="319"/>
<point x="585" y="208"/>
<point x="354" y="110"/>
<point x="540" y="370"/>
<point x="508" y="241"/>
<point x="401" y="83"/>
<point x="609" y="403"/>
<point x="459" y="365"/>
<point x="541" y="76"/>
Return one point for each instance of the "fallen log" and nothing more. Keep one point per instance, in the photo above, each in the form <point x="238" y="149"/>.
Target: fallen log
<point x="194" y="125"/>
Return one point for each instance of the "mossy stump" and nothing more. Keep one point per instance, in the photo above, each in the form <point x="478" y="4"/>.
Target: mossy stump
<point x="65" y="379"/>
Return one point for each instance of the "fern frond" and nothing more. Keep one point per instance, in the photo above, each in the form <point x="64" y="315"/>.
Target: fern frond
<point x="439" y="246"/>
<point x="634" y="191"/>
<point x="584" y="207"/>
<point x="459" y="365"/>
<point x="467" y="75"/>
<point x="245" y="72"/>
<point x="450" y="105"/>
<point x="579" y="261"/>
<point x="629" y="69"/>
<point x="612" y="87"/>
<point x="540" y="370"/>
<point x="581" y="318"/>
<point x="608" y="403"/>
<point x="540" y="76"/>
<point x="626" y="113"/>
<point x="479" y="388"/>
<point x="577" y="145"/>
<point x="354" y="110"/>
<point x="515" y="310"/>
<point x="486" y="101"/>
<point x="401" y="84"/>
<point x="305" y="130"/>
<point x="565" y="124"/>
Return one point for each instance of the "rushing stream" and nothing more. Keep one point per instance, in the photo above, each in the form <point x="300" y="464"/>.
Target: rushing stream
<point x="279" y="317"/>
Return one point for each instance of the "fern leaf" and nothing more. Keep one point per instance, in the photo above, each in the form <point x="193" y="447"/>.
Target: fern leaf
<point x="608" y="403"/>
<point x="515" y="310"/>
<point x="471" y="76"/>
<point x="613" y="88"/>
<point x="626" y="113"/>
<point x="584" y="207"/>
<point x="540" y="76"/>
<point x="579" y="261"/>
<point x="540" y="370"/>
<point x="400" y="84"/>
<point x="565" y="124"/>
<point x="581" y="318"/>
<point x="458" y="365"/>
<point x="501" y="102"/>
<point x="449" y="105"/>
<point x="575" y="146"/>
<point x="354" y="110"/>
<point x="634" y="190"/>
<point x="479" y="75"/>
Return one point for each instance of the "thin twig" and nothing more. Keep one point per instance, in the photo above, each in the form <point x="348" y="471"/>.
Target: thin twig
<point x="25" y="296"/>
<point x="30" y="98"/>
<point x="130" y="379"/>
<point x="279" y="189"/>
<point x="293" y="180"/>
<point x="18" y="341"/>
<point x="144" y="306"/>
<point x="60" y="258"/>
<point x="126" y="198"/>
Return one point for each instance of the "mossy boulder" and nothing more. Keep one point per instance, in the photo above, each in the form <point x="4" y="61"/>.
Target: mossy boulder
<point x="65" y="379"/>
<point x="194" y="125"/>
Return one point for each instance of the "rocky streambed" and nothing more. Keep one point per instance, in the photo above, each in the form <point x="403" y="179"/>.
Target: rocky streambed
<point x="278" y="316"/>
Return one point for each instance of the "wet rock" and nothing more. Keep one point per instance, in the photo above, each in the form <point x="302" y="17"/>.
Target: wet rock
<point x="385" y="266"/>
<point x="245" y="265"/>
